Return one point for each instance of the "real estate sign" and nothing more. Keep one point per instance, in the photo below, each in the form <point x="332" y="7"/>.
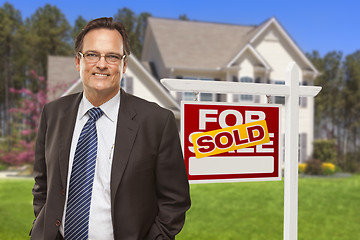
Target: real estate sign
<point x="228" y="142"/>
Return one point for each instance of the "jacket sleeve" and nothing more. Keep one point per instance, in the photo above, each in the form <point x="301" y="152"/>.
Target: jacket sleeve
<point x="40" y="176"/>
<point x="172" y="183"/>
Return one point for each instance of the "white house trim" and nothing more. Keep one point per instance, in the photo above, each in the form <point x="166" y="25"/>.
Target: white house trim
<point x="288" y="39"/>
<point x="255" y="53"/>
<point x="72" y="88"/>
<point x="155" y="82"/>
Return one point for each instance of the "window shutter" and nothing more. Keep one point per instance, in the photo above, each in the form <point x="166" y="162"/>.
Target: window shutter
<point x="303" y="148"/>
<point x="303" y="102"/>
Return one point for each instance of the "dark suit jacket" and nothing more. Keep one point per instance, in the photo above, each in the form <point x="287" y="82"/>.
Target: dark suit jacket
<point x="149" y="186"/>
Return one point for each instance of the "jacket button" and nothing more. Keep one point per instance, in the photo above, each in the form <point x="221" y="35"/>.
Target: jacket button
<point x="63" y="192"/>
<point x="57" y="223"/>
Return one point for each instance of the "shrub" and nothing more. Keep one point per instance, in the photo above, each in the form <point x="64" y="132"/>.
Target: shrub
<point x="314" y="167"/>
<point x="351" y="163"/>
<point x="325" y="150"/>
<point x="328" y="168"/>
<point x="302" y="167"/>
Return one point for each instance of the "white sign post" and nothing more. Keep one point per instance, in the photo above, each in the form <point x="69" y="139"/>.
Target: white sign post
<point x="292" y="91"/>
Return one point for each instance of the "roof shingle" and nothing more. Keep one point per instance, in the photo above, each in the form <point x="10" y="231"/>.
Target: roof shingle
<point x="185" y="44"/>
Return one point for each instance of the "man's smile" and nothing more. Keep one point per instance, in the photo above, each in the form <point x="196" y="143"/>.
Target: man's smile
<point x="101" y="74"/>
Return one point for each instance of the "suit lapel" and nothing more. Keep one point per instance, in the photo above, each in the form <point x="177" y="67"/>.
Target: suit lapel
<point x="125" y="136"/>
<point x="67" y="121"/>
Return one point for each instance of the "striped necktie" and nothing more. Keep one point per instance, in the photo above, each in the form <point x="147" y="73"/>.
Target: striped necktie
<point x="81" y="180"/>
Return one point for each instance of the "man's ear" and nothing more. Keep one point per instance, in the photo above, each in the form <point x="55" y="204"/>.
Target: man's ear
<point x="77" y="63"/>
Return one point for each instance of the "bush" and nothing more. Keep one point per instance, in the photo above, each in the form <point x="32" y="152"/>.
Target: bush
<point x="325" y="150"/>
<point x="351" y="163"/>
<point x="314" y="167"/>
<point x="3" y="166"/>
<point x="328" y="168"/>
<point x="302" y="167"/>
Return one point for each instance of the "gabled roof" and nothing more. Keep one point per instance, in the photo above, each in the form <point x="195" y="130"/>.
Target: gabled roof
<point x="287" y="37"/>
<point x="186" y="44"/>
<point x="254" y="53"/>
<point x="204" y="45"/>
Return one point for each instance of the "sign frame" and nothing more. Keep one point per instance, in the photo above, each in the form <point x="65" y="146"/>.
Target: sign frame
<point x="235" y="177"/>
<point x="292" y="91"/>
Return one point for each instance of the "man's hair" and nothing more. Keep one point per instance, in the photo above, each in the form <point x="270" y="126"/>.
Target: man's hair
<point x="107" y="23"/>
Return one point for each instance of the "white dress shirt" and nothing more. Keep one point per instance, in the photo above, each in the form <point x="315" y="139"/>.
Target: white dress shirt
<point x="100" y="224"/>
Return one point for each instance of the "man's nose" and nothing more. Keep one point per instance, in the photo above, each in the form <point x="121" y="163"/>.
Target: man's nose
<point x="101" y="63"/>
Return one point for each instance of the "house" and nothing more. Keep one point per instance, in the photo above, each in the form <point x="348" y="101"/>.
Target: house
<point x="206" y="51"/>
<point x="224" y="52"/>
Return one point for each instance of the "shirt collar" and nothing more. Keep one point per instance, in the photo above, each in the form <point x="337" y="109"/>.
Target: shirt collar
<point x="110" y="108"/>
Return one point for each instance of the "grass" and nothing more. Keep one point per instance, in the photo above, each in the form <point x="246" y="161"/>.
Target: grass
<point x="16" y="214"/>
<point x="328" y="210"/>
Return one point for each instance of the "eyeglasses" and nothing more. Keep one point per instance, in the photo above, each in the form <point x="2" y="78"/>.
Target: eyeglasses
<point x="94" y="57"/>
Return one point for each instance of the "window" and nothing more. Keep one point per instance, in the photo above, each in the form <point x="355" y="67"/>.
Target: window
<point x="190" y="96"/>
<point x="243" y="97"/>
<point x="246" y="97"/>
<point x="206" y="97"/>
<point x="303" y="100"/>
<point x="302" y="147"/>
<point x="279" y="99"/>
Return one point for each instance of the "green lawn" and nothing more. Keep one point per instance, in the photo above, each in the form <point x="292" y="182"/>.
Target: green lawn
<point x="16" y="214"/>
<point x="329" y="209"/>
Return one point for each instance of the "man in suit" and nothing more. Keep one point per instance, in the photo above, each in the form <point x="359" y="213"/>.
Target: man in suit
<point x="139" y="189"/>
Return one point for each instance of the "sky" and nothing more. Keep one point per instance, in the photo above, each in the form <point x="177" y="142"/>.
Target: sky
<point x="321" y="25"/>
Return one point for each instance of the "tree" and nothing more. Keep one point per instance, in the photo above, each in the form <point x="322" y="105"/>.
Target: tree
<point x="184" y="17"/>
<point x="135" y="27"/>
<point x="80" y="23"/>
<point x="49" y="34"/>
<point x="27" y="117"/>
<point x="140" y="29"/>
<point x="328" y="103"/>
<point x="12" y="61"/>
<point x="351" y="96"/>
<point x="337" y="107"/>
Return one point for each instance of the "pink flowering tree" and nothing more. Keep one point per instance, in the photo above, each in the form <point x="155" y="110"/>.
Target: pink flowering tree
<point x="26" y="119"/>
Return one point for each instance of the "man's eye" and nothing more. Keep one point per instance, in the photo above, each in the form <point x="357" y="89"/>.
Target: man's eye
<point x="114" y="57"/>
<point x="91" y="55"/>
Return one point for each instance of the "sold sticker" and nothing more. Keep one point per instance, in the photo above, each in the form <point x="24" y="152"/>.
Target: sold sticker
<point x="230" y="138"/>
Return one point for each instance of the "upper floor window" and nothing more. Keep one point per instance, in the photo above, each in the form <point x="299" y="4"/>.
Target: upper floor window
<point x="280" y="99"/>
<point x="303" y="100"/>
<point x="246" y="97"/>
<point x="243" y="97"/>
<point x="190" y="96"/>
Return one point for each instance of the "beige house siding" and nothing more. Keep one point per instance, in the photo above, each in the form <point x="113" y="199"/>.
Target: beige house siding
<point x="198" y="50"/>
<point x="62" y="74"/>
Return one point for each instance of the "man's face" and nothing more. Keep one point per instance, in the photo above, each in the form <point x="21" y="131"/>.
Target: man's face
<point x="101" y="78"/>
